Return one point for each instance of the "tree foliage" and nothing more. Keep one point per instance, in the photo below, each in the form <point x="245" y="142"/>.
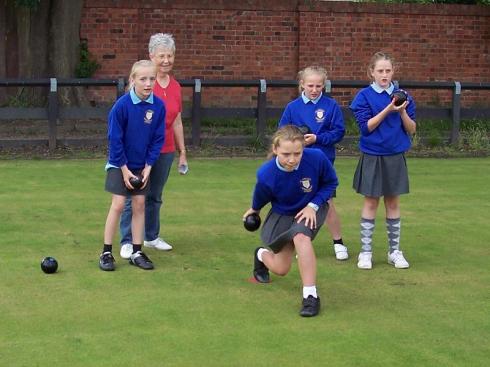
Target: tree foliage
<point x="87" y="65"/>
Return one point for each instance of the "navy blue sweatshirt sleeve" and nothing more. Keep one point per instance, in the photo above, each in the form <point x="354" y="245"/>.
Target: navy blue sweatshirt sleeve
<point x="115" y="134"/>
<point x="261" y="196"/>
<point x="157" y="139"/>
<point x="328" y="182"/>
<point x="333" y="132"/>
<point x="362" y="112"/>
<point x="286" y="118"/>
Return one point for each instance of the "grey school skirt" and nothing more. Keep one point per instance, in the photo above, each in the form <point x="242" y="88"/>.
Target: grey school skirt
<point x="114" y="183"/>
<point x="381" y="175"/>
<point x="279" y="230"/>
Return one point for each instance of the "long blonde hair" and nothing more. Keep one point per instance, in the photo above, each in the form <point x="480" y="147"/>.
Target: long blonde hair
<point x="285" y="133"/>
<point x="134" y="70"/>
<point x="313" y="69"/>
<point x="375" y="58"/>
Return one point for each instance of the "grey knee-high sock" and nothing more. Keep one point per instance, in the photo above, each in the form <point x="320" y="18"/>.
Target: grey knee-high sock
<point x="367" y="229"/>
<point x="393" y="227"/>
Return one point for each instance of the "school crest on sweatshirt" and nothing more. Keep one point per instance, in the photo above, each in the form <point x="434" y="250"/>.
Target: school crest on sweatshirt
<point x="306" y="184"/>
<point x="148" y="116"/>
<point x="319" y="115"/>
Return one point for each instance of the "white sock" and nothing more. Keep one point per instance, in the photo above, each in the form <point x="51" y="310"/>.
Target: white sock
<point x="309" y="291"/>
<point x="260" y="252"/>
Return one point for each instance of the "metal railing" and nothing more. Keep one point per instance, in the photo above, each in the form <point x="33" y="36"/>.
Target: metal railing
<point x="53" y="111"/>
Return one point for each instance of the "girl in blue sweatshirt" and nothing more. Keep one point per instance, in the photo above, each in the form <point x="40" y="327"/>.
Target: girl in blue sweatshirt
<point x="135" y="137"/>
<point x="298" y="183"/>
<point x="382" y="170"/>
<point x="323" y="123"/>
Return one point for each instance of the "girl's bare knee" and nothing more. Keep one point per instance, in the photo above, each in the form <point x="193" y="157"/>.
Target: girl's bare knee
<point x="300" y="238"/>
<point x="301" y="241"/>
<point x="392" y="203"/>
<point x="282" y="271"/>
<point x="138" y="206"/>
<point x="371" y="203"/>
<point x="118" y="208"/>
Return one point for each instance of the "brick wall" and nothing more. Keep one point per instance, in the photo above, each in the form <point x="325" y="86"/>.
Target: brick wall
<point x="272" y="39"/>
<point x="429" y="42"/>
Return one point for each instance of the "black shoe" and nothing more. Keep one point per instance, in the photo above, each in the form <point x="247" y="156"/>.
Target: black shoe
<point x="311" y="306"/>
<point x="141" y="260"/>
<point x="106" y="261"/>
<point x="261" y="273"/>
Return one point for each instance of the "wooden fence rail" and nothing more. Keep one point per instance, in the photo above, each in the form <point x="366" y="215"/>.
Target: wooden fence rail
<point x="53" y="112"/>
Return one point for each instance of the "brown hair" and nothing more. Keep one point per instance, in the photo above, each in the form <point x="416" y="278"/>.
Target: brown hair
<point x="134" y="69"/>
<point x="375" y="58"/>
<point x="314" y="69"/>
<point x="288" y="133"/>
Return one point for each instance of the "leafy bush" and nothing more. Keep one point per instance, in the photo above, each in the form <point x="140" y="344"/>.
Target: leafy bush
<point x="434" y="138"/>
<point x="477" y="138"/>
<point x="416" y="141"/>
<point x="87" y="65"/>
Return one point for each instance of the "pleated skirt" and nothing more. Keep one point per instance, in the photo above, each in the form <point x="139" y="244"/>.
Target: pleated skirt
<point x="381" y="175"/>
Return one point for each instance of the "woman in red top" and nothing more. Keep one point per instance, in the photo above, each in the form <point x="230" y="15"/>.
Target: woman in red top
<point x="162" y="53"/>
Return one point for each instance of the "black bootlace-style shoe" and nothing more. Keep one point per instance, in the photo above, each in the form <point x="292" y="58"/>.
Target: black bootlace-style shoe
<point x="261" y="273"/>
<point x="140" y="260"/>
<point x="311" y="306"/>
<point x="106" y="261"/>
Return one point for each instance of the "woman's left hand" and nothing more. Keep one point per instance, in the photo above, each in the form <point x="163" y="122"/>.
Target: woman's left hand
<point x="182" y="158"/>
<point x="309" y="216"/>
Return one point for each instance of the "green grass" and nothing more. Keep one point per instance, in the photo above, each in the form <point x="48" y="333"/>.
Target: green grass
<point x="197" y="308"/>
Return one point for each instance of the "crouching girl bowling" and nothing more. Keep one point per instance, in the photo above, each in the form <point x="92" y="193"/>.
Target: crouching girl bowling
<point x="298" y="182"/>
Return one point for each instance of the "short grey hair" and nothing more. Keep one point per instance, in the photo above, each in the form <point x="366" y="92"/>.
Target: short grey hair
<point x="163" y="40"/>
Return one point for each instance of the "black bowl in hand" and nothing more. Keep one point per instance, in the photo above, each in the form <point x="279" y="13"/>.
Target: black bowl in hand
<point x="136" y="182"/>
<point x="252" y="222"/>
<point x="400" y="96"/>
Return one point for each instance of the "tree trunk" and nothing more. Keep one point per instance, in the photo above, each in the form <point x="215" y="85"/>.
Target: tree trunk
<point x="39" y="36"/>
<point x="3" y="37"/>
<point x="32" y="32"/>
<point x="9" y="43"/>
<point x="65" y="43"/>
<point x="40" y="42"/>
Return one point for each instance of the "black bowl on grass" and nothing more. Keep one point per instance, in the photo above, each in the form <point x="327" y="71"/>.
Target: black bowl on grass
<point x="49" y="265"/>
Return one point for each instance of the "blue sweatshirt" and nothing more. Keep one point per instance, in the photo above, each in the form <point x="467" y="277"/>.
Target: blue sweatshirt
<point x="324" y="118"/>
<point x="313" y="181"/>
<point x="135" y="131"/>
<point x="390" y="136"/>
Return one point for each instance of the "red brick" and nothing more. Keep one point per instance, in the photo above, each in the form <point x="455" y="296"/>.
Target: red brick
<point x="273" y="38"/>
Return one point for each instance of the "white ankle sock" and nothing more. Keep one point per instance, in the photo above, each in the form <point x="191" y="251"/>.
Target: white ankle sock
<point x="309" y="291"/>
<point x="260" y="252"/>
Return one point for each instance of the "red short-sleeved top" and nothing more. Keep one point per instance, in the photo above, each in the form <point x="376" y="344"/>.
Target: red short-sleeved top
<point x="172" y="97"/>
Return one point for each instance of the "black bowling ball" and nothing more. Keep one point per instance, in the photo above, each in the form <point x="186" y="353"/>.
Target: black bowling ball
<point x="400" y="96"/>
<point x="252" y="222"/>
<point x="136" y="182"/>
<point x="49" y="265"/>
